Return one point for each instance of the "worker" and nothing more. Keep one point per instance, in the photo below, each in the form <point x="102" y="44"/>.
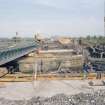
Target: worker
<point x="99" y="75"/>
<point x="86" y="68"/>
<point x="98" y="71"/>
<point x="85" y="71"/>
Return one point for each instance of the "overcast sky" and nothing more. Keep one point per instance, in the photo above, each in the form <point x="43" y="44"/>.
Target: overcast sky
<point x="51" y="17"/>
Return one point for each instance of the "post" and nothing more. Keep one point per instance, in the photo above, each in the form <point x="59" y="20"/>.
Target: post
<point x="34" y="76"/>
<point x="35" y="70"/>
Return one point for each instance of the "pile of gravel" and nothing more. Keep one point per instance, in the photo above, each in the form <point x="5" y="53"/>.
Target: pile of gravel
<point x="95" y="98"/>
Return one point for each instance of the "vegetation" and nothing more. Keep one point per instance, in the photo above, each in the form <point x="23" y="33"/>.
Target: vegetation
<point x="94" y="39"/>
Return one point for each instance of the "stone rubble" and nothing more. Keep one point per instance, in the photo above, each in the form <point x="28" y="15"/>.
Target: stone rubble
<point x="94" y="98"/>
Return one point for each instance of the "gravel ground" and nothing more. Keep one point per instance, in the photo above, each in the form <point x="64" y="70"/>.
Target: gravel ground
<point x="74" y="92"/>
<point x="95" y="98"/>
<point x="45" y="88"/>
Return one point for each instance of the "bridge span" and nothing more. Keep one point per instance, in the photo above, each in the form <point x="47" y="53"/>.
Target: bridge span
<point x="16" y="51"/>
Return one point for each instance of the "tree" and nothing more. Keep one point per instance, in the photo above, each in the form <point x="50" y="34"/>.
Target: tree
<point x="94" y="37"/>
<point x="88" y="37"/>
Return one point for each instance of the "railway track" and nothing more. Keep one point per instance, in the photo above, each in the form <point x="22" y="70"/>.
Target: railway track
<point x="28" y="77"/>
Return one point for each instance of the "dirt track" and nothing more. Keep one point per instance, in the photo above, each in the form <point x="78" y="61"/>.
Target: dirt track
<point x="45" y="88"/>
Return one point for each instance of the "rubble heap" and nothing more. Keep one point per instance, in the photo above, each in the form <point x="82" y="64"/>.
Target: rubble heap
<point x="94" y="98"/>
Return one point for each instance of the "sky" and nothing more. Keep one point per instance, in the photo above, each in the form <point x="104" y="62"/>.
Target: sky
<point x="51" y="17"/>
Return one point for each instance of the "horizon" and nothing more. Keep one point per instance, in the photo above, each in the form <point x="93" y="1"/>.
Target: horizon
<point x="7" y="35"/>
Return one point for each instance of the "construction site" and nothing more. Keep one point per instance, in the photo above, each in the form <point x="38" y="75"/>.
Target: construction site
<point x="52" y="52"/>
<point x="45" y="71"/>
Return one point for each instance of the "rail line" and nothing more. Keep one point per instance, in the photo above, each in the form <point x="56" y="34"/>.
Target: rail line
<point x="28" y="77"/>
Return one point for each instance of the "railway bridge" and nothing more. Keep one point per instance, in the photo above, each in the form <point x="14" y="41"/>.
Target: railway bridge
<point x="13" y="52"/>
